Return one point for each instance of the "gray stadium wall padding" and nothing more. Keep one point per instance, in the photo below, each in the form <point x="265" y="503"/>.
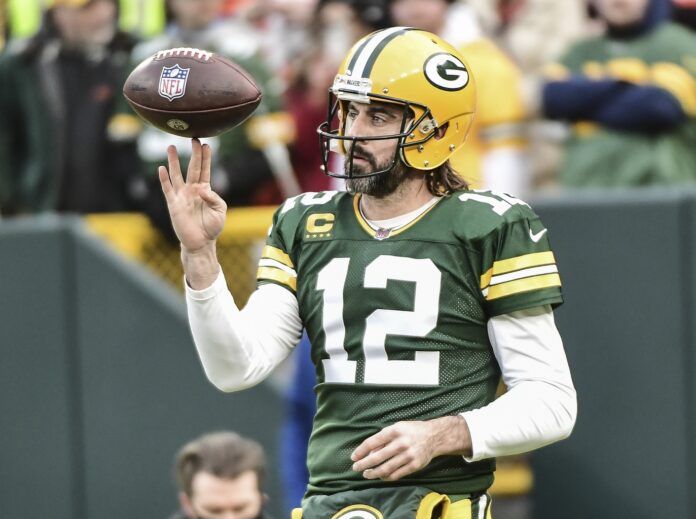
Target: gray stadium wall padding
<point x="627" y="266"/>
<point x="100" y="381"/>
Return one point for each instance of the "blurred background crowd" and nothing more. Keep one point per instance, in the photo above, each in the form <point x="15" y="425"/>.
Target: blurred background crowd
<point x="571" y="93"/>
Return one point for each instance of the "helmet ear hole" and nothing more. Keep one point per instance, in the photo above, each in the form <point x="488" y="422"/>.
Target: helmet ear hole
<point x="441" y="131"/>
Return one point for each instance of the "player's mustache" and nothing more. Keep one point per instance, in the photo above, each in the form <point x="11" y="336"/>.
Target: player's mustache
<point x="362" y="153"/>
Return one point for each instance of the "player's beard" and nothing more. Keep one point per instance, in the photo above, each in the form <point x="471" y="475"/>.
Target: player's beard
<point x="378" y="186"/>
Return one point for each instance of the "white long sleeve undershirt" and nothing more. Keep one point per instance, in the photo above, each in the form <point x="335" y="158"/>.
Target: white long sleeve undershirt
<point x="238" y="349"/>
<point x="540" y="404"/>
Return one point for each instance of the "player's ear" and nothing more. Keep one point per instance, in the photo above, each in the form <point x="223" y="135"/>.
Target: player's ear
<point x="186" y="505"/>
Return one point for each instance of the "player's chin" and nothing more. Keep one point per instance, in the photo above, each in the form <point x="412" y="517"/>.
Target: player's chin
<point x="364" y="185"/>
<point x="360" y="167"/>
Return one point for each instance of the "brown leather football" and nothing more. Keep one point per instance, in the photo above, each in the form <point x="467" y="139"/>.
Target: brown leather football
<point x="191" y="92"/>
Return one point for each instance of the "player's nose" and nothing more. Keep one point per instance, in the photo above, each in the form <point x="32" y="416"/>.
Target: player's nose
<point x="356" y="127"/>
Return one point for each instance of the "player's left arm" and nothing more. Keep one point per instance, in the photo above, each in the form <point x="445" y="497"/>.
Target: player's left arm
<point x="539" y="407"/>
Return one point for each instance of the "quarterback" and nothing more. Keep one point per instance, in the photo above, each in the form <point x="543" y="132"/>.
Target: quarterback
<point x="416" y="292"/>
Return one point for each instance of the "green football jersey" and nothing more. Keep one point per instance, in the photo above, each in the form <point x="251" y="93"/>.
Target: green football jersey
<point x="397" y="319"/>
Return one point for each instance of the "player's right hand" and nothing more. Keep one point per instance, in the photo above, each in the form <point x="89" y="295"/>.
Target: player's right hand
<point x="197" y="212"/>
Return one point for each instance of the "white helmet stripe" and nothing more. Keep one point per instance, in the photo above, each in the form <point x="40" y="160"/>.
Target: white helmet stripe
<point x="366" y="51"/>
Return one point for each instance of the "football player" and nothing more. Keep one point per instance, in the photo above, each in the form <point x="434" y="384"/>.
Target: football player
<point x="416" y="292"/>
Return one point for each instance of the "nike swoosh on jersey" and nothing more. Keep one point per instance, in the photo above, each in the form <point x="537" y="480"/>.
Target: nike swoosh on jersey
<point x="536" y="237"/>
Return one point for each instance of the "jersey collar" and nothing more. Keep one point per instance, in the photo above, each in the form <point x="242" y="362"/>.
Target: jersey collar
<point x="380" y="233"/>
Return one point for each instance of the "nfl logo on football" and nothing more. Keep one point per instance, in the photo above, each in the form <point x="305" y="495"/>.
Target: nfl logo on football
<point x="172" y="84"/>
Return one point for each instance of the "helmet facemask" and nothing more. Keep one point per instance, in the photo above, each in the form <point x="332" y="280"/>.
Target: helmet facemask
<point x="338" y="150"/>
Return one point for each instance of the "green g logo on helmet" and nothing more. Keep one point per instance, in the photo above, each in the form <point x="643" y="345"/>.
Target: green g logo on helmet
<point x="446" y="71"/>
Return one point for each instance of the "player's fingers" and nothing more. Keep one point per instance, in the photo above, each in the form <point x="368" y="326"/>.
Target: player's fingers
<point x="166" y="184"/>
<point x="194" y="169"/>
<point x="174" y="168"/>
<point x="206" y="164"/>
<point x="388" y="469"/>
<point x="379" y="456"/>
<point x="372" y="443"/>
<point x="402" y="471"/>
<point x="214" y="200"/>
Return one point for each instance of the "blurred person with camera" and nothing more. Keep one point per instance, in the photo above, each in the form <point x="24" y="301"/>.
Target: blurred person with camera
<point x="630" y="95"/>
<point x="58" y="91"/>
<point x="220" y="475"/>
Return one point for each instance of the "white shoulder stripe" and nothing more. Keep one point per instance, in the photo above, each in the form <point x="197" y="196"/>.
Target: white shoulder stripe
<point x="367" y="51"/>
<point x="524" y="273"/>
<point x="265" y="262"/>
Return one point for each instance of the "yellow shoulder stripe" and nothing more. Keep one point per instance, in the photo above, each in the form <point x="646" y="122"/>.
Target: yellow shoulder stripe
<point x="534" y="259"/>
<point x="275" y="253"/>
<point x="523" y="285"/>
<point x="274" y="274"/>
<point x="678" y="82"/>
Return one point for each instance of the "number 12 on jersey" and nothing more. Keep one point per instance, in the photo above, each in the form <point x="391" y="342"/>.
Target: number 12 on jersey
<point x="425" y="368"/>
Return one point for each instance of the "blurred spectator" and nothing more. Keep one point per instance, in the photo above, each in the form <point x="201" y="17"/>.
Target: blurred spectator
<point x="3" y="26"/>
<point x="631" y="95"/>
<point x="336" y="26"/>
<point x="493" y="156"/>
<point x="232" y="7"/>
<point x="241" y="174"/>
<point x="220" y="475"/>
<point x="533" y="32"/>
<point x="142" y="18"/>
<point x="282" y="26"/>
<point x="57" y="93"/>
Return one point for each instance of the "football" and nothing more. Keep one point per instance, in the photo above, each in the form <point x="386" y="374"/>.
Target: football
<point x="191" y="92"/>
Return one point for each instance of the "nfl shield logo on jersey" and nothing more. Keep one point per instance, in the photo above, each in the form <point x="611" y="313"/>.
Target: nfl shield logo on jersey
<point x="172" y="83"/>
<point x="382" y="234"/>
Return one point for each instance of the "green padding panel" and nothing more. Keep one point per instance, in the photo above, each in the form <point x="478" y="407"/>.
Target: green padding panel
<point x="100" y="383"/>
<point x="690" y="343"/>
<point x="39" y="459"/>
<point x="145" y="392"/>
<point x="625" y="326"/>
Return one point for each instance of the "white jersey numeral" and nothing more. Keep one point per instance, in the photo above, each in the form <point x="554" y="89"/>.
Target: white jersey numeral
<point x="331" y="280"/>
<point x="310" y="198"/>
<point x="425" y="368"/>
<point x="499" y="202"/>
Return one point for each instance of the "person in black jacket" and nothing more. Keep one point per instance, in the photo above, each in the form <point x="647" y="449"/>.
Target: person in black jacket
<point x="57" y="95"/>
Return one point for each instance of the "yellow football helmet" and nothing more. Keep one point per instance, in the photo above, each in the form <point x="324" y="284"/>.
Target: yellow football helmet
<point x="414" y="69"/>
